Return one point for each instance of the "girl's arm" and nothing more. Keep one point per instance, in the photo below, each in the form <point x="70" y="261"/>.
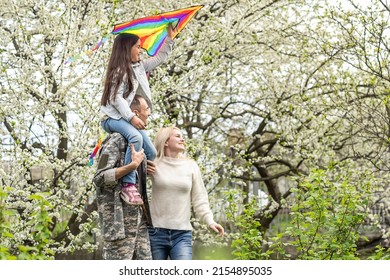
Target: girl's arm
<point x="163" y="53"/>
<point x="122" y="105"/>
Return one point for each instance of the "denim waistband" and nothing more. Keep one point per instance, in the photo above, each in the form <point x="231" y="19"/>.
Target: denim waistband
<point x="168" y="229"/>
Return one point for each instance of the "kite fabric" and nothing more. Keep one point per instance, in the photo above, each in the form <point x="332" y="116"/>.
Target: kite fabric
<point x="88" y="52"/>
<point x="152" y="30"/>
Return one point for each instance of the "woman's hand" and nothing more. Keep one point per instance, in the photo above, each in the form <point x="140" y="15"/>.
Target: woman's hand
<point x="150" y="168"/>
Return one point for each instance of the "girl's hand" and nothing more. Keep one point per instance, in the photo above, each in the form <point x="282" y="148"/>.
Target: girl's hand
<point x="171" y="31"/>
<point x="137" y="123"/>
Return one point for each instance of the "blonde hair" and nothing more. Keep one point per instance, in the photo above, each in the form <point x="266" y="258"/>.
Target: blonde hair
<point x="161" y="138"/>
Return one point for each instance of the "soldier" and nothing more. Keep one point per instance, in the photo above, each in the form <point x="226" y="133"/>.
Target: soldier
<point x="124" y="226"/>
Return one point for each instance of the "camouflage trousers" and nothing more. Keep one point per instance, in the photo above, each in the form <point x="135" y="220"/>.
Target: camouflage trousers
<point x="136" y="245"/>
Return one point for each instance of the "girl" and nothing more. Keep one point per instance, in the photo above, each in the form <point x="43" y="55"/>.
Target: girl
<point x="125" y="78"/>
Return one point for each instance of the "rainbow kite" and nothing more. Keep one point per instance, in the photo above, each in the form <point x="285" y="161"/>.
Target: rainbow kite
<point x="96" y="149"/>
<point x="152" y="30"/>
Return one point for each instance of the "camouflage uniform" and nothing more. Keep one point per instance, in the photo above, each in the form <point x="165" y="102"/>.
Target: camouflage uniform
<point x="124" y="227"/>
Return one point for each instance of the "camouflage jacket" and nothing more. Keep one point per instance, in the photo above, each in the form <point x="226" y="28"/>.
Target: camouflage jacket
<point x="112" y="211"/>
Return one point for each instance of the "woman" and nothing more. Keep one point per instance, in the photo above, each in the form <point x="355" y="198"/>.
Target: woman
<point x="125" y="78"/>
<point x="177" y="186"/>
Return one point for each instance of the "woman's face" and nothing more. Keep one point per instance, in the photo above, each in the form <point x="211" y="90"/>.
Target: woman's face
<point x="136" y="52"/>
<point x="176" y="142"/>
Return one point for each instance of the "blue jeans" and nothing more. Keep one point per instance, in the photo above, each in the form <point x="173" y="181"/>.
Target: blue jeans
<point x="175" y="244"/>
<point x="134" y="136"/>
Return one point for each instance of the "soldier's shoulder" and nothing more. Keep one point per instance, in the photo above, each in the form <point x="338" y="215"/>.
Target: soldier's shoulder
<point x="114" y="140"/>
<point x="117" y="137"/>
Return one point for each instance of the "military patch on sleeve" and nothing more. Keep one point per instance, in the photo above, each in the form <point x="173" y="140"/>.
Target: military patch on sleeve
<point x="103" y="161"/>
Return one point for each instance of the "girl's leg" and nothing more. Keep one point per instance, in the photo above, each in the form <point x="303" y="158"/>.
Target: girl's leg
<point x="149" y="149"/>
<point x="132" y="136"/>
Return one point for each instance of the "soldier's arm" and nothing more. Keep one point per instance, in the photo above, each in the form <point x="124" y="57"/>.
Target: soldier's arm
<point x="136" y="159"/>
<point x="108" y="173"/>
<point x="105" y="178"/>
<point x="108" y="159"/>
<point x="150" y="168"/>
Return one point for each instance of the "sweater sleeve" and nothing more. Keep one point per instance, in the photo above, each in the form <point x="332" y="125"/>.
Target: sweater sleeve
<point x="199" y="197"/>
<point x="122" y="105"/>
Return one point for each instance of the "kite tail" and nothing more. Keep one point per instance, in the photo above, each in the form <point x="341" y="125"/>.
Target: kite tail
<point x="95" y="150"/>
<point x="88" y="52"/>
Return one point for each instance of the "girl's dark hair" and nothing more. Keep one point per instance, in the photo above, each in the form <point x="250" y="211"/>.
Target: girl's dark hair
<point x="119" y="67"/>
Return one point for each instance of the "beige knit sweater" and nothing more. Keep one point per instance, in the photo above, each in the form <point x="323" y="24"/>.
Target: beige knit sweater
<point x="176" y="186"/>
